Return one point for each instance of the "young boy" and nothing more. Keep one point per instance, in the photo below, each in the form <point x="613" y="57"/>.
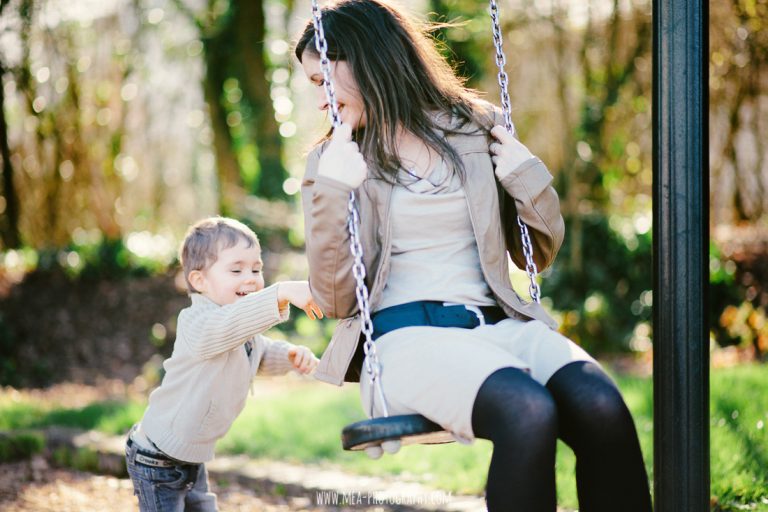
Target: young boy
<point x="218" y="350"/>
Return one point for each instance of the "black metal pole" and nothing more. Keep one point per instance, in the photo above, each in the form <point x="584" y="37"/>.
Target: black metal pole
<point x="681" y="259"/>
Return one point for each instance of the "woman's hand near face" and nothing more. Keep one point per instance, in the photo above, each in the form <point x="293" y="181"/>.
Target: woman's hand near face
<point x="342" y="160"/>
<point x="508" y="152"/>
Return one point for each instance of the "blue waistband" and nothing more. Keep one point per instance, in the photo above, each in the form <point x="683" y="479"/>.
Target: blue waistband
<point x="434" y="314"/>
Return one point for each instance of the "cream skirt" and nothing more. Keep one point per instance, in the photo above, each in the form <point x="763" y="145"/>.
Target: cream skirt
<point x="437" y="371"/>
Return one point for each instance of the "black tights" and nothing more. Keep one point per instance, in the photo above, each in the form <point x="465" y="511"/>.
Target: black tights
<point x="581" y="406"/>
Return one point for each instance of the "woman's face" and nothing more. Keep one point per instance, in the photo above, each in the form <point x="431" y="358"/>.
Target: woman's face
<point x="351" y="108"/>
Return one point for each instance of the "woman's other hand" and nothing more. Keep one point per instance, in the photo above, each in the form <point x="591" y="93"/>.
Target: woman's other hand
<point x="342" y="160"/>
<point x="507" y="152"/>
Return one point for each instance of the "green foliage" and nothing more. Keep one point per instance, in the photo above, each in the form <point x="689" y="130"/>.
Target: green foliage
<point x="739" y="436"/>
<point x="113" y="417"/>
<point x="300" y="330"/>
<point x="92" y="259"/>
<point x="466" y="40"/>
<point x="737" y="313"/>
<point x="110" y="259"/>
<point x="20" y="445"/>
<point x="9" y="373"/>
<point x="605" y="302"/>
<point x="82" y="459"/>
<point x="605" y="297"/>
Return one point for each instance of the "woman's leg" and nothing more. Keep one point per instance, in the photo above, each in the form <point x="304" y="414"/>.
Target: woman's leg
<point x="594" y="421"/>
<point x="518" y="415"/>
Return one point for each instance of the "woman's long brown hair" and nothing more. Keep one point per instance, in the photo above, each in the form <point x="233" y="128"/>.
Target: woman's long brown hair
<point x="402" y="78"/>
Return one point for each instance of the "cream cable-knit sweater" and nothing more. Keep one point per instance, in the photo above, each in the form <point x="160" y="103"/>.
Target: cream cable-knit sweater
<point x="208" y="376"/>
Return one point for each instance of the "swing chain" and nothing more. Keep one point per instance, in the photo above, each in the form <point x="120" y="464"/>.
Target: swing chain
<point x="321" y="45"/>
<point x="372" y="364"/>
<point x="501" y="61"/>
<point x="530" y="265"/>
<point x="506" y="107"/>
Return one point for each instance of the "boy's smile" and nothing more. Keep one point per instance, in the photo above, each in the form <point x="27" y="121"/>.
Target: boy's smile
<point x="236" y="273"/>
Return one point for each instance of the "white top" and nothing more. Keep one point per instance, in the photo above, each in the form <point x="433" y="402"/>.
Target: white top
<point x="434" y="250"/>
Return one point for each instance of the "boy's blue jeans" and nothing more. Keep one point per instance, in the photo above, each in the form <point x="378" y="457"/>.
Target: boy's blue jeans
<point x="176" y="488"/>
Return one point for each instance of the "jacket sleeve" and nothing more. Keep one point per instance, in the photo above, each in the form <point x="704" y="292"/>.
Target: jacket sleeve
<point x="324" y="201"/>
<point x="530" y="196"/>
<point x="274" y="356"/>
<point x="220" y="329"/>
<point x="527" y="192"/>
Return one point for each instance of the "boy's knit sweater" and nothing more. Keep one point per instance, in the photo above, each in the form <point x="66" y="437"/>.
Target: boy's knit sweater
<point x="208" y="376"/>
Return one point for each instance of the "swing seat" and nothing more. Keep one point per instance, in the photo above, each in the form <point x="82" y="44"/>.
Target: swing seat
<point x="407" y="428"/>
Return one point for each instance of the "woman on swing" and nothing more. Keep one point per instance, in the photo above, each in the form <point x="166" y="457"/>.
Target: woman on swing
<point x="439" y="183"/>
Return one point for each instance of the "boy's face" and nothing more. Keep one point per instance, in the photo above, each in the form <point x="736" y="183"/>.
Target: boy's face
<point x="236" y="273"/>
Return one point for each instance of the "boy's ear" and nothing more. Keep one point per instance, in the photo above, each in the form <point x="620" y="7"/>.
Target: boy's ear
<point x="197" y="280"/>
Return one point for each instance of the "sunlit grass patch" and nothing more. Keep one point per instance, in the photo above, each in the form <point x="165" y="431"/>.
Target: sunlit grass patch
<point x="108" y="416"/>
<point x="739" y="436"/>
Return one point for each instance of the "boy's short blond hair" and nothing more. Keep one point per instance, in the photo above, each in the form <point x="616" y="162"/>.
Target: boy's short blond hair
<point x="203" y="241"/>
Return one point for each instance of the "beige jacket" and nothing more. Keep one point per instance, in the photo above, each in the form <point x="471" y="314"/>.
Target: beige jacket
<point x="526" y="191"/>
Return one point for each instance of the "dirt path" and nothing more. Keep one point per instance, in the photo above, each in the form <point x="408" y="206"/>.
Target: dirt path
<point x="33" y="486"/>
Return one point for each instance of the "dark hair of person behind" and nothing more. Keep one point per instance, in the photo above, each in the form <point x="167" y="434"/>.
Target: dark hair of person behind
<point x="402" y="78"/>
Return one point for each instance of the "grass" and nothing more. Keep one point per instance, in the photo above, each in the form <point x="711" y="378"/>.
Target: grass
<point x="302" y="423"/>
<point x="739" y="436"/>
<point x="109" y="416"/>
<point x="19" y="445"/>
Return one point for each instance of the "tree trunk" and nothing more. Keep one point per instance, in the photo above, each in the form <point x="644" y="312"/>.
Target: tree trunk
<point x="228" y="168"/>
<point x="9" y="217"/>
<point x="250" y="27"/>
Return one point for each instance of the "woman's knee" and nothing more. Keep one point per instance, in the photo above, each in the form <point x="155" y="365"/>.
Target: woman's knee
<point x="589" y="403"/>
<point x="512" y="401"/>
<point x="607" y="411"/>
<point x="535" y="407"/>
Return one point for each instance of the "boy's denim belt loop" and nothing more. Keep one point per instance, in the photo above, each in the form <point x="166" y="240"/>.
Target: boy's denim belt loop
<point x="435" y="314"/>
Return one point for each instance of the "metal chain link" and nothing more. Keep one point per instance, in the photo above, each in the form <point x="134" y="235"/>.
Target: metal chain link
<point x="506" y="107"/>
<point x="321" y="45"/>
<point x="501" y="61"/>
<point x="372" y="364"/>
<point x="530" y="265"/>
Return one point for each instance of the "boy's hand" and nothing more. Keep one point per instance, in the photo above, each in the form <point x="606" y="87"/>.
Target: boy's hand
<point x="302" y="359"/>
<point x="342" y="159"/>
<point x="508" y="153"/>
<point x="298" y="294"/>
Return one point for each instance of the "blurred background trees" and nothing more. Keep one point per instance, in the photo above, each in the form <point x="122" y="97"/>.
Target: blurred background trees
<point x="122" y="121"/>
